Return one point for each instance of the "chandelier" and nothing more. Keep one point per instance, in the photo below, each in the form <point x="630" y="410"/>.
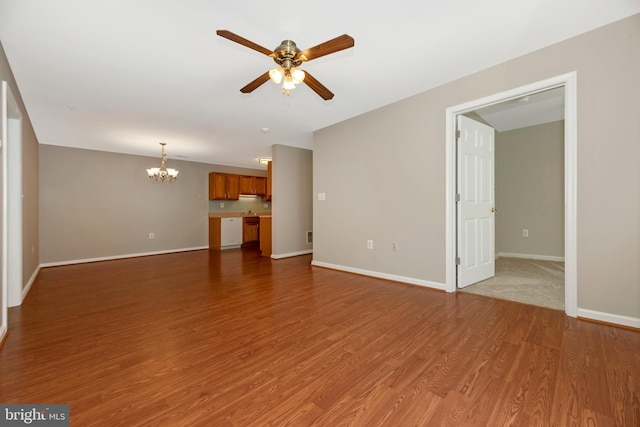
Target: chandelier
<point x="162" y="174"/>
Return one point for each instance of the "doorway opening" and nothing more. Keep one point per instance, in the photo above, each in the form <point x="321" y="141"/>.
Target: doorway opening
<point x="568" y="82"/>
<point x="526" y="136"/>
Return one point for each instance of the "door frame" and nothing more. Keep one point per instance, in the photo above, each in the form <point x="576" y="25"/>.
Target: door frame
<point x="4" y="327"/>
<point x="569" y="81"/>
<point x="12" y="255"/>
<point x="10" y="261"/>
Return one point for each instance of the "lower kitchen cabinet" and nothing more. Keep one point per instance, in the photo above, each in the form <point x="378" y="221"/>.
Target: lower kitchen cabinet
<point x="250" y="227"/>
<point x="265" y="236"/>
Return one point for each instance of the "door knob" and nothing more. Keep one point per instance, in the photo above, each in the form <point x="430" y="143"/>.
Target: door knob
<point x="494" y="210"/>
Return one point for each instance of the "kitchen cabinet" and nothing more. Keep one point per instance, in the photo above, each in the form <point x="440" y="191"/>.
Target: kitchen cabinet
<point x="265" y="236"/>
<point x="253" y="185"/>
<point x="261" y="185"/>
<point x="269" y="180"/>
<point x="224" y="186"/>
<point x="214" y="233"/>
<point x="250" y="227"/>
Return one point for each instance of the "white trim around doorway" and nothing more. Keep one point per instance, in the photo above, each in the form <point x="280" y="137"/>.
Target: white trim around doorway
<point x="570" y="178"/>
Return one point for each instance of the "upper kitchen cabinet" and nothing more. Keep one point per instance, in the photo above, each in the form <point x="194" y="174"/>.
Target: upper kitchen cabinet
<point x="253" y="185"/>
<point x="261" y="185"/>
<point x="223" y="186"/>
<point x="269" y="180"/>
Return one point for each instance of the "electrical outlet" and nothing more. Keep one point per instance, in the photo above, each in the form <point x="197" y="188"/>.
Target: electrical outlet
<point x="394" y="246"/>
<point x="369" y="244"/>
<point x="221" y="205"/>
<point x="525" y="232"/>
<point x="152" y="236"/>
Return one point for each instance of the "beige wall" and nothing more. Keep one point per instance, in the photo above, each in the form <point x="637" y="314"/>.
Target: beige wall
<point x="95" y="204"/>
<point x="30" y="261"/>
<point x="292" y="200"/>
<point x="529" y="177"/>
<point x="395" y="156"/>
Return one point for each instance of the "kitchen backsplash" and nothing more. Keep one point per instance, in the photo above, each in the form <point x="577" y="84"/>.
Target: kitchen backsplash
<point x="244" y="204"/>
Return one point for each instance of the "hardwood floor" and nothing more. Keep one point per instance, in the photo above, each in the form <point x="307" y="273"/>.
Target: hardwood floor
<point x="230" y="338"/>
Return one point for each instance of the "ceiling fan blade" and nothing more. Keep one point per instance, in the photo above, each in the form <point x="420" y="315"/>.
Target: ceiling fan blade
<point x="317" y="87"/>
<point x="342" y="42"/>
<point x="244" y="42"/>
<point x="256" y="83"/>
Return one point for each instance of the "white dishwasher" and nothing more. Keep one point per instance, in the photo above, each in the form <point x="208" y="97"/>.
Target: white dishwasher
<point x="230" y="233"/>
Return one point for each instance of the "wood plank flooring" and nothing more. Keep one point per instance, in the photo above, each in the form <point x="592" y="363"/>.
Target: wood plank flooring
<point x="230" y="338"/>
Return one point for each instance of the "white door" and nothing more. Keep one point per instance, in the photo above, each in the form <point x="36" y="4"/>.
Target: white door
<point x="475" y="208"/>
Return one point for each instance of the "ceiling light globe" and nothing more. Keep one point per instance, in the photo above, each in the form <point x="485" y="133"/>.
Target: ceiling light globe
<point x="275" y="75"/>
<point x="298" y="76"/>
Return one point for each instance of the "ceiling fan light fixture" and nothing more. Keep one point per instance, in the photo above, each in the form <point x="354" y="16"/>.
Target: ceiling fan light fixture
<point x="276" y="75"/>
<point x="288" y="83"/>
<point x="288" y="57"/>
<point x="297" y="75"/>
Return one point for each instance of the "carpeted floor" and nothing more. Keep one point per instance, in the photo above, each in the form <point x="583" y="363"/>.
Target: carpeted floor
<point x="528" y="281"/>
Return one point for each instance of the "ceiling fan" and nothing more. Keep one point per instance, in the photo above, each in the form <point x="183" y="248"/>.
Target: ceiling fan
<point x="289" y="57"/>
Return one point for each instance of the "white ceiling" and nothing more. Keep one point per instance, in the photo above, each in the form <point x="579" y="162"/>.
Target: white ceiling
<point x="535" y="109"/>
<point x="123" y="75"/>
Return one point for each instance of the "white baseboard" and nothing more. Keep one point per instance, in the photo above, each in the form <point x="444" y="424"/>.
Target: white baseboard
<point x="27" y="288"/>
<point x="109" y="258"/>
<point x="609" y="318"/>
<point x="530" y="256"/>
<point x="292" y="254"/>
<point x="379" y="275"/>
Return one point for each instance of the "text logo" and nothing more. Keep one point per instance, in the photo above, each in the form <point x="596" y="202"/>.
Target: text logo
<point x="34" y="415"/>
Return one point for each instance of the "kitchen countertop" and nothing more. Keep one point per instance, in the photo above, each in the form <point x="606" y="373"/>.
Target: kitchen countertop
<point x="237" y="214"/>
